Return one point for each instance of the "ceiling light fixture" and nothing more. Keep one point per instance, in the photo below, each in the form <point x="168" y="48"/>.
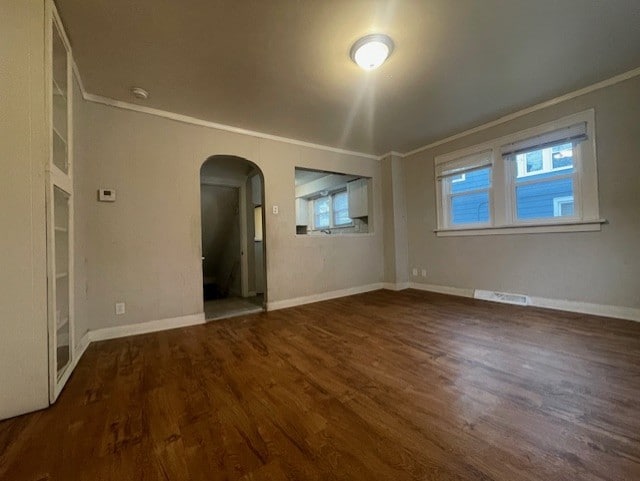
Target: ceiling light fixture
<point x="139" y="93"/>
<point x="371" y="51"/>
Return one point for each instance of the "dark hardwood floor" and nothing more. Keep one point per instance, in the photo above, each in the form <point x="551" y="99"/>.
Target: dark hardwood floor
<point x="379" y="386"/>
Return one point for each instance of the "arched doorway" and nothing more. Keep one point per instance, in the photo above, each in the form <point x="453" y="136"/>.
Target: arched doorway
<point x="234" y="280"/>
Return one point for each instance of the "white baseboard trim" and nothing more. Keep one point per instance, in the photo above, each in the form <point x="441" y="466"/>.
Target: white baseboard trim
<point x="81" y="348"/>
<point x="129" y="330"/>
<point x="395" y="286"/>
<point x="324" y="296"/>
<point x="145" y="327"/>
<point x="454" y="291"/>
<point x="604" y="310"/>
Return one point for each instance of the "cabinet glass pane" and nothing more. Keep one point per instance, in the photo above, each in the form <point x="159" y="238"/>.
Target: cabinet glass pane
<point x="59" y="63"/>
<point x="59" y="105"/>
<point x="61" y="245"/>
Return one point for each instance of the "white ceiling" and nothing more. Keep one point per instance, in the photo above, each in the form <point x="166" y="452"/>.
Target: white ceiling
<point x="282" y="66"/>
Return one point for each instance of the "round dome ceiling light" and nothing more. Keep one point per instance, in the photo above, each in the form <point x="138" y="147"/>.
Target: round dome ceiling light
<point x="371" y="51"/>
<point x="139" y="93"/>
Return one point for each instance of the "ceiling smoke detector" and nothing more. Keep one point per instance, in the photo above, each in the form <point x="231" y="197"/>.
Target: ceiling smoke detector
<point x="139" y="93"/>
<point x="371" y="51"/>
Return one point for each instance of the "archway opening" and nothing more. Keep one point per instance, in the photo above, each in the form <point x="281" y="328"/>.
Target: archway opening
<point x="234" y="280"/>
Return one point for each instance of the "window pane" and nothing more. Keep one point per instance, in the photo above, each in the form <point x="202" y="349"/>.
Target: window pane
<point x="473" y="180"/>
<point x="533" y="161"/>
<point x="470" y="208"/>
<point x="341" y="209"/>
<point x="321" y="212"/>
<point x="562" y="156"/>
<point x="546" y="162"/>
<point x="563" y="206"/>
<point x="546" y="199"/>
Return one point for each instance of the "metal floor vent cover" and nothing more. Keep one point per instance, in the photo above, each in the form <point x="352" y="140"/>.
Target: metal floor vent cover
<point x="505" y="297"/>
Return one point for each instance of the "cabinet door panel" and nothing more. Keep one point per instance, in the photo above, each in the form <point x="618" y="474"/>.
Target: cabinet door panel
<point x="358" y="198"/>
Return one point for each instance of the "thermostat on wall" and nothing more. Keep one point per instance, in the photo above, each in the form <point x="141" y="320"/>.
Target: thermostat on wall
<point x="106" y="195"/>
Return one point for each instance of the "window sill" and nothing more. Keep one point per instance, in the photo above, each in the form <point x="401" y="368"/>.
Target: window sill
<point x="582" y="226"/>
<point x="334" y="232"/>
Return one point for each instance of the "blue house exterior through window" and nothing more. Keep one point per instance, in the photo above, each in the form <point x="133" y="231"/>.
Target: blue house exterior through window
<point x="469" y="192"/>
<point x="543" y="188"/>
<point x="542" y="179"/>
<point x="546" y="190"/>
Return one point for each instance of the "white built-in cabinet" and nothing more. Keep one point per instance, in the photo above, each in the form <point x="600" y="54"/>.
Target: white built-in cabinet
<point x="302" y="211"/>
<point x="59" y="196"/>
<point x="358" y="198"/>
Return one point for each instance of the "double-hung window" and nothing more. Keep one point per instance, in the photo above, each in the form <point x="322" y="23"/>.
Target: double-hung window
<point x="466" y="190"/>
<point x="340" y="208"/>
<point x="543" y="179"/>
<point x="322" y="212"/>
<point x="543" y="176"/>
<point x="332" y="210"/>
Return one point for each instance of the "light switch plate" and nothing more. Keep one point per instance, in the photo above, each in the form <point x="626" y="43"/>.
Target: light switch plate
<point x="106" y="195"/>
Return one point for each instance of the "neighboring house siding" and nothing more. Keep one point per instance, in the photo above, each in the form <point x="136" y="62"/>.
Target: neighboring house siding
<point x="533" y="201"/>
<point x="537" y="200"/>
<point x="470" y="208"/>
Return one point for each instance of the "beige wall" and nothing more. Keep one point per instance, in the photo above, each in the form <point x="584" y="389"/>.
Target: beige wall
<point x="395" y="216"/>
<point x="23" y="320"/>
<point x="145" y="248"/>
<point x="597" y="267"/>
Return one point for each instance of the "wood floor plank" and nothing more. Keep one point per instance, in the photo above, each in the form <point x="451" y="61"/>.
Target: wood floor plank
<point x="384" y="385"/>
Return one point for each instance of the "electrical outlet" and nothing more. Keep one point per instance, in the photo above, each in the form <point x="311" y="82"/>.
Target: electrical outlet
<point x="275" y="209"/>
<point x="415" y="271"/>
<point x="120" y="308"/>
<point x="424" y="273"/>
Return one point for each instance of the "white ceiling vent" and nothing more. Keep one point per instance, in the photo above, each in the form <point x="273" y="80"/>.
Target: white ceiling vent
<point x="504" y="297"/>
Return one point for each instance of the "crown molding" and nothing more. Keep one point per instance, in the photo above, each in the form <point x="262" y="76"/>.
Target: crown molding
<point x="205" y="123"/>
<point x="390" y="153"/>
<point x="520" y="113"/>
<point x="228" y="128"/>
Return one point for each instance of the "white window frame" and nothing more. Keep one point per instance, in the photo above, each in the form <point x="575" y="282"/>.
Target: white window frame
<point x="313" y="212"/>
<point x="511" y="169"/>
<point x="332" y="225"/>
<point x="558" y="202"/>
<point x="333" y="212"/>
<point x="446" y="203"/>
<point x="503" y="219"/>
<point x="547" y="166"/>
